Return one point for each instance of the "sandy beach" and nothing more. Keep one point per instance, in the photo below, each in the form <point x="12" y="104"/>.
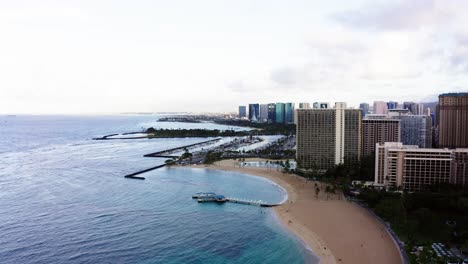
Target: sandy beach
<point x="336" y="230"/>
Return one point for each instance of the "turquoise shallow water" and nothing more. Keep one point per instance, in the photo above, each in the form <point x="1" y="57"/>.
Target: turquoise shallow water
<point x="63" y="200"/>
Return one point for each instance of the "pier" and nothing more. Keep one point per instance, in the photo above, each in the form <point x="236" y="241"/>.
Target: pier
<point x="167" y="153"/>
<point x="105" y="137"/>
<point x="134" y="175"/>
<point x="250" y="202"/>
<point x="212" y="197"/>
<point x="112" y="136"/>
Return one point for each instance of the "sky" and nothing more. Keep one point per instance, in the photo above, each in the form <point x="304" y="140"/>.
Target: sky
<point x="79" y="57"/>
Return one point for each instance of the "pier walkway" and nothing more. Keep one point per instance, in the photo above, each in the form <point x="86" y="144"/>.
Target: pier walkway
<point x="250" y="202"/>
<point x="166" y="154"/>
<point x="134" y="175"/>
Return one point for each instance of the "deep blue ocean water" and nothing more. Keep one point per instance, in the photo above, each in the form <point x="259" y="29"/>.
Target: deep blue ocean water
<point x="63" y="199"/>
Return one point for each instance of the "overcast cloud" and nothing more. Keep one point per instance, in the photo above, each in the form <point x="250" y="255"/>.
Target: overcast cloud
<point x="212" y="55"/>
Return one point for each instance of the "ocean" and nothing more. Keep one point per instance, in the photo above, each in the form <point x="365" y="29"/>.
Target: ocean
<point x="63" y="199"/>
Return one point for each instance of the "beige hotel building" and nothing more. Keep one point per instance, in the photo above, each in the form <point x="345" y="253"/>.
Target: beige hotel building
<point x="410" y="168"/>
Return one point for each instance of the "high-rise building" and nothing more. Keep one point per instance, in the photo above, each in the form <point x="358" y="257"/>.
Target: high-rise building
<point x="420" y="109"/>
<point x="242" y="111"/>
<point x="327" y="137"/>
<point x="378" y="130"/>
<point x="254" y="112"/>
<point x="416" y="130"/>
<point x="352" y="134"/>
<point x="435" y="138"/>
<point x="453" y="120"/>
<point x="315" y="135"/>
<point x="304" y="105"/>
<point x="460" y="167"/>
<point x="263" y="117"/>
<point x="411" y="106"/>
<point x="407" y="105"/>
<point x="364" y="109"/>
<point x="392" y="105"/>
<point x="280" y="111"/>
<point x="414" y="169"/>
<point x="321" y="105"/>
<point x="380" y="108"/>
<point x="398" y="112"/>
<point x="289" y="113"/>
<point x="272" y="113"/>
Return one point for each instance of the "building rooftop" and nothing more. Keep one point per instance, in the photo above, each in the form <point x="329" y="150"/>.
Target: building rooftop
<point x="421" y="150"/>
<point x="397" y="145"/>
<point x="404" y="110"/>
<point x="454" y="94"/>
<point x="379" y="117"/>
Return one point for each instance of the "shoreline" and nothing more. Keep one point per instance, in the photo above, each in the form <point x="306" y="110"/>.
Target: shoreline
<point x="335" y="230"/>
<point x="309" y="252"/>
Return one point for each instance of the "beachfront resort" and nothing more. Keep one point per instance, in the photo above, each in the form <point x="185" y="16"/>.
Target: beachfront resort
<point x="232" y="132"/>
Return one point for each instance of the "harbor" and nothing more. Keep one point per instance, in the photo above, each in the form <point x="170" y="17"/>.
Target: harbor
<point x="166" y="154"/>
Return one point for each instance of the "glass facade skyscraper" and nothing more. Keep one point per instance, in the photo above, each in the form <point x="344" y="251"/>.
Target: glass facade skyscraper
<point x="242" y="111"/>
<point x="411" y="106"/>
<point x="272" y="113"/>
<point x="392" y="105"/>
<point x="289" y="113"/>
<point x="254" y="112"/>
<point x="263" y="113"/>
<point x="280" y="111"/>
<point x="416" y="130"/>
<point x="364" y="109"/>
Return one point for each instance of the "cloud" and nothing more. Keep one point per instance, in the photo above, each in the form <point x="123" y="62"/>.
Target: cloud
<point x="382" y="50"/>
<point x="403" y="15"/>
<point x="284" y="76"/>
<point x="437" y="25"/>
<point x="343" y="58"/>
<point x="328" y="57"/>
<point x="238" y="86"/>
<point x="459" y="53"/>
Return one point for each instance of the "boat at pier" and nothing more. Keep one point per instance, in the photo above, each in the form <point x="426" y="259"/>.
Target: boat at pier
<point x="203" y="195"/>
<point x="215" y="198"/>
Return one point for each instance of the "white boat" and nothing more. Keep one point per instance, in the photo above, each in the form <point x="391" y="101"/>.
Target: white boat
<point x="203" y="195"/>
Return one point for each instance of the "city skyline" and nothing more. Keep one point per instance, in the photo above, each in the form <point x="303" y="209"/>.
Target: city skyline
<point x="103" y="57"/>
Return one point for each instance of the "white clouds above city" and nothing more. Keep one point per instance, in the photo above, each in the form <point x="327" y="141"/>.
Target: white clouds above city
<point x="109" y="56"/>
